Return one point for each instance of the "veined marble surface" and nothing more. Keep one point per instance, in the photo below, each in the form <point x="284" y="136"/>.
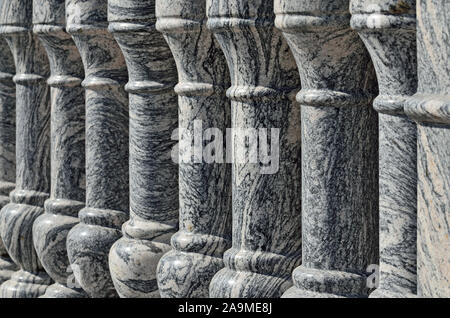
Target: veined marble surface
<point x="7" y="145"/>
<point x="388" y="29"/>
<point x="153" y="176"/>
<point x="339" y="149"/>
<point x="205" y="187"/>
<point x="67" y="193"/>
<point x="107" y="177"/>
<point x="32" y="150"/>
<point x="430" y="108"/>
<point x="266" y="225"/>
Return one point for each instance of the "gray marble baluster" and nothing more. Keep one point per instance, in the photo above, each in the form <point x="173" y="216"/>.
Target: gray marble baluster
<point x="7" y="145"/>
<point x="430" y="108"/>
<point x="266" y="194"/>
<point x="339" y="149"/>
<point x="387" y="28"/>
<point x="32" y="150"/>
<point x="67" y="191"/>
<point x="107" y="181"/>
<point x="153" y="175"/>
<point x="205" y="187"/>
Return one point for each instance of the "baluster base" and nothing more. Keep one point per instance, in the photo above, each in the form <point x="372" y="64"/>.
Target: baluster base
<point x="25" y="285"/>
<point x="318" y="283"/>
<point x="7" y="269"/>
<point x="228" y="283"/>
<point x="186" y="275"/>
<point x="88" y="245"/>
<point x="133" y="267"/>
<point x="60" y="291"/>
<point x="381" y="292"/>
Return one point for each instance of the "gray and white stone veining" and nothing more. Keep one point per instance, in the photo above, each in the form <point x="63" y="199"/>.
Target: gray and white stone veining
<point x="387" y="27"/>
<point x="7" y="145"/>
<point x="339" y="149"/>
<point x="205" y="188"/>
<point x="107" y="177"/>
<point x="430" y="108"/>
<point x="153" y="175"/>
<point x="32" y="150"/>
<point x="266" y="234"/>
<point x="67" y="194"/>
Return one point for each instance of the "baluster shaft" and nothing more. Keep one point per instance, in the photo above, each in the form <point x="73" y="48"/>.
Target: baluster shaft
<point x="32" y="150"/>
<point x="266" y="230"/>
<point x="67" y="194"/>
<point x="153" y="175"/>
<point x="107" y="182"/>
<point x="7" y="145"/>
<point x="205" y="184"/>
<point x="339" y="149"/>
<point x="430" y="108"/>
<point x="387" y="28"/>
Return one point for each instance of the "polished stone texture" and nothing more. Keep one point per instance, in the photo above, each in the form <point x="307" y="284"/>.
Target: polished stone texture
<point x="67" y="193"/>
<point x="153" y="175"/>
<point x="339" y="149"/>
<point x="388" y="29"/>
<point x="430" y="108"/>
<point x="7" y="145"/>
<point x="32" y="150"/>
<point x="266" y="234"/>
<point x="205" y="187"/>
<point x="107" y="182"/>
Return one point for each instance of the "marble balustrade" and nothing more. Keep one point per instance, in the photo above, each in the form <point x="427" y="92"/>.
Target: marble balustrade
<point x="224" y="148"/>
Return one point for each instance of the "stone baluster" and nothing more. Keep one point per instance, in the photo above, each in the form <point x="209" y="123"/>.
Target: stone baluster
<point x="430" y="108"/>
<point x="266" y="234"/>
<point x="153" y="174"/>
<point x="205" y="186"/>
<point x="7" y="145"/>
<point x="32" y="150"/>
<point x="67" y="192"/>
<point x="107" y="190"/>
<point x="387" y="28"/>
<point x="339" y="149"/>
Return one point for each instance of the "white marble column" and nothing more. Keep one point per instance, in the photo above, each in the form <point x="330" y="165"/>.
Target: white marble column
<point x="107" y="182"/>
<point x="205" y="184"/>
<point x="266" y="234"/>
<point x="32" y="150"/>
<point x="153" y="175"/>
<point x="430" y="108"/>
<point x="7" y="145"/>
<point x="388" y="29"/>
<point x="67" y="131"/>
<point x="339" y="149"/>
